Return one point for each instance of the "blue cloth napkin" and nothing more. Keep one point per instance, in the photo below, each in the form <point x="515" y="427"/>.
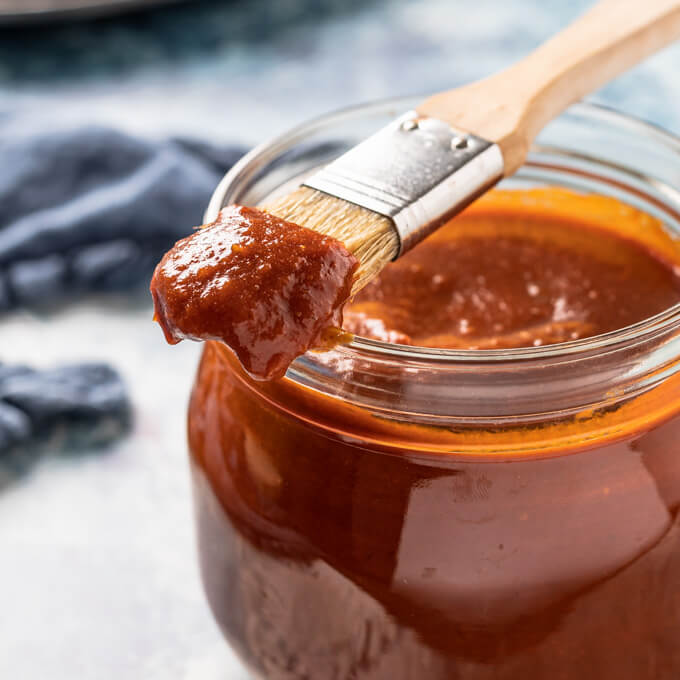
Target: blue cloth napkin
<point x="93" y="209"/>
<point x="80" y="405"/>
<point x="81" y="210"/>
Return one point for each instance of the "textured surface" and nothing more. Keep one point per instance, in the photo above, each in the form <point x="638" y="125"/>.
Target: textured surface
<point x="99" y="577"/>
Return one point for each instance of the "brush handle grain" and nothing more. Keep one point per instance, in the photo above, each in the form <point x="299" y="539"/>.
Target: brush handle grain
<point x="511" y="107"/>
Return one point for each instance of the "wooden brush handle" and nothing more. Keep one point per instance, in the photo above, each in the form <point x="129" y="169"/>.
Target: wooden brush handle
<point x="511" y="107"/>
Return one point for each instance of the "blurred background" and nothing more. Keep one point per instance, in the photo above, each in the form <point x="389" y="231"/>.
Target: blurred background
<point x="244" y="70"/>
<point x="117" y="118"/>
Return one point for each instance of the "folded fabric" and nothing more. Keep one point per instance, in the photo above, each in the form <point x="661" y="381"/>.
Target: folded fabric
<point x="77" y="405"/>
<point x="84" y="210"/>
<point x="93" y="209"/>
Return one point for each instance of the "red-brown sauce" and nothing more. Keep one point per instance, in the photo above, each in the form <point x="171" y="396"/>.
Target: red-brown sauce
<point x="267" y="288"/>
<point x="492" y="282"/>
<point x="340" y="542"/>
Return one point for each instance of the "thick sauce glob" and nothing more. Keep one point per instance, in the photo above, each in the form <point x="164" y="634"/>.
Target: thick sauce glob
<point x="268" y="288"/>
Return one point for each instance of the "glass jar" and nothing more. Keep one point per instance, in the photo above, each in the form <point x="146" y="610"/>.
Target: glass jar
<point x="404" y="513"/>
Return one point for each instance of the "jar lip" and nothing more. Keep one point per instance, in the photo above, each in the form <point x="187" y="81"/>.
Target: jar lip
<point x="602" y="342"/>
<point x="367" y="348"/>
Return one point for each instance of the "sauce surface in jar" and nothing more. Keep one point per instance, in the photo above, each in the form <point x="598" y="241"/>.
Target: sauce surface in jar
<point x="553" y="272"/>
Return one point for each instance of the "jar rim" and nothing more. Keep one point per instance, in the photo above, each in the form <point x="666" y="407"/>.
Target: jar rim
<point x="367" y="348"/>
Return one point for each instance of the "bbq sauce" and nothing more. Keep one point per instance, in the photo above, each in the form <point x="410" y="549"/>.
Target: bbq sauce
<point x="271" y="290"/>
<point x="344" y="541"/>
<point x="267" y="288"/>
<point x="523" y="279"/>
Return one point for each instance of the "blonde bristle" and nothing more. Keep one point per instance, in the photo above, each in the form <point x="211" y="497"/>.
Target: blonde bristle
<point x="370" y="237"/>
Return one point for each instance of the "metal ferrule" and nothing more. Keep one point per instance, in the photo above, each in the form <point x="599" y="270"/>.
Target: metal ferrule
<point x="417" y="171"/>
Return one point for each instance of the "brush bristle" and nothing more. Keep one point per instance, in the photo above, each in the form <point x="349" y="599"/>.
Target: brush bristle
<point x="370" y="237"/>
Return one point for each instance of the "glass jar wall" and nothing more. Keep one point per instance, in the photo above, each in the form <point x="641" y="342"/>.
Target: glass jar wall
<point x="398" y="512"/>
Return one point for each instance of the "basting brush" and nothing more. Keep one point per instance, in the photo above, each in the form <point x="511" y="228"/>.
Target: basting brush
<point x="388" y="193"/>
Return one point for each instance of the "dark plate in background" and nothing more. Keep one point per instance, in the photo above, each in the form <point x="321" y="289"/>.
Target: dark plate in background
<point x="30" y="11"/>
